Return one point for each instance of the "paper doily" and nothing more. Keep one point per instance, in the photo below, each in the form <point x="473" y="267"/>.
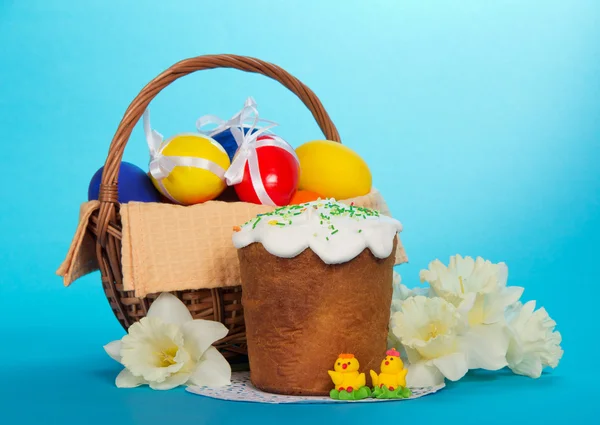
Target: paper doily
<point x="241" y="389"/>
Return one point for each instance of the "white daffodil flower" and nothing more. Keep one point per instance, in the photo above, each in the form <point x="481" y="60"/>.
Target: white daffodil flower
<point x="533" y="342"/>
<point x="400" y="293"/>
<point x="487" y="341"/>
<point x="431" y="331"/>
<point x="167" y="348"/>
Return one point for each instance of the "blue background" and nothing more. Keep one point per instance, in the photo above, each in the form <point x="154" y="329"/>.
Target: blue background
<point x="480" y="121"/>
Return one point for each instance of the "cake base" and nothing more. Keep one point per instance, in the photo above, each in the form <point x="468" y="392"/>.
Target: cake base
<point x="301" y="313"/>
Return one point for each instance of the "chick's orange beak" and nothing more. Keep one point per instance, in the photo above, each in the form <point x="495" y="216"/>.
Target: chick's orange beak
<point x="387" y="363"/>
<point x="344" y="366"/>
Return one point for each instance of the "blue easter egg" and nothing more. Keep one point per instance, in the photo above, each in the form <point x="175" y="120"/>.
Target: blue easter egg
<point x="226" y="139"/>
<point x="134" y="185"/>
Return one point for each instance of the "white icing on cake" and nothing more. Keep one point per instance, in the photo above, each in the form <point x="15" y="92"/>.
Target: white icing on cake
<point x="336" y="232"/>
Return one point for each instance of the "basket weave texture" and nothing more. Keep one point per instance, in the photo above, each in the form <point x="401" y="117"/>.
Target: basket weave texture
<point x="105" y="224"/>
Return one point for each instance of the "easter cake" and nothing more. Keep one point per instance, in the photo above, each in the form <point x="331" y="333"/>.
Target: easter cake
<point x="316" y="281"/>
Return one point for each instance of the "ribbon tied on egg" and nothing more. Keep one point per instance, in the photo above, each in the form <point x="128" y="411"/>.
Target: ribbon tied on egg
<point x="247" y="116"/>
<point x="264" y="168"/>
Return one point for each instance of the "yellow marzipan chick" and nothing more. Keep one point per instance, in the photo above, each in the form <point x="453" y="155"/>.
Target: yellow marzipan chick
<point x="345" y="375"/>
<point x="393" y="373"/>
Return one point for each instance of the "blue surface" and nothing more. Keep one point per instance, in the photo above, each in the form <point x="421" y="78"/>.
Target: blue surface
<point x="480" y="121"/>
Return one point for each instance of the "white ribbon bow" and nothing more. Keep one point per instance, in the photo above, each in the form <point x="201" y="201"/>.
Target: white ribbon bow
<point x="248" y="143"/>
<point x="161" y="165"/>
<point x="244" y="118"/>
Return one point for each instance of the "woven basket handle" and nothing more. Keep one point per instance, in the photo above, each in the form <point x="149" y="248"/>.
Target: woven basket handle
<point x="108" y="187"/>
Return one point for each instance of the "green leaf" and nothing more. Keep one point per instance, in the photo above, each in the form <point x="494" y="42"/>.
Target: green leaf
<point x="377" y="391"/>
<point x="383" y="393"/>
<point x="345" y="395"/>
<point x="361" y="393"/>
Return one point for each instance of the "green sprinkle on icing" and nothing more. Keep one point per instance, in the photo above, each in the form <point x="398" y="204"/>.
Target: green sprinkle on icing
<point x="282" y="216"/>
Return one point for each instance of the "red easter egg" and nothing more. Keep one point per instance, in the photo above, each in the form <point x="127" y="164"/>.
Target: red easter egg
<point x="279" y="173"/>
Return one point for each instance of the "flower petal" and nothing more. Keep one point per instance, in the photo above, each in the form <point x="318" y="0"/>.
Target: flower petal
<point x="439" y="346"/>
<point x="467" y="303"/>
<point x="126" y="379"/>
<point x="512" y="294"/>
<point x="171" y="382"/>
<point x="529" y="307"/>
<point x="212" y="371"/>
<point x="486" y="346"/>
<point x="464" y="309"/>
<point x="502" y="273"/>
<point x="422" y="374"/>
<point x="201" y="334"/>
<point x="401" y="292"/>
<point x="169" y="309"/>
<point x="497" y="303"/>
<point x="453" y="366"/>
<point x="530" y="366"/>
<point x="113" y="349"/>
<point x="464" y="266"/>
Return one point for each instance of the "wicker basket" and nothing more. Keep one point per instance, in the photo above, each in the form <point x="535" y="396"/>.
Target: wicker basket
<point x="220" y="304"/>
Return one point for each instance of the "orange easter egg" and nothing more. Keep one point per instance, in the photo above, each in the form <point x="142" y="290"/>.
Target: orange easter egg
<point x="303" y="196"/>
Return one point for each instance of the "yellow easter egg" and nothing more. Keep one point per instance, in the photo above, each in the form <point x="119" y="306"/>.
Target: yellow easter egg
<point x="333" y="170"/>
<point x="198" y="176"/>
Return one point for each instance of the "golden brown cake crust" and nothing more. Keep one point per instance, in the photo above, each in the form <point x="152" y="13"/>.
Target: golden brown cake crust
<point x="301" y="314"/>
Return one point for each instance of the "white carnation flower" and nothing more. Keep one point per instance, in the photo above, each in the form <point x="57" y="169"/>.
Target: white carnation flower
<point x="533" y="342"/>
<point x="167" y="348"/>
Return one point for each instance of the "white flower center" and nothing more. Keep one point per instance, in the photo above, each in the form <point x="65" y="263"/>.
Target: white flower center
<point x="166" y="357"/>
<point x="433" y="330"/>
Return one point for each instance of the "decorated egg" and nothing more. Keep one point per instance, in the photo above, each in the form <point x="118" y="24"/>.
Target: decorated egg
<point x="190" y="168"/>
<point x="333" y="170"/>
<point x="134" y="185"/>
<point x="225" y="138"/>
<point x="302" y="196"/>
<point x="265" y="171"/>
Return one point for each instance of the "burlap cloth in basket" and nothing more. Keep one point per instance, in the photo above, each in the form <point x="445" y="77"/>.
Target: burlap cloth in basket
<point x="172" y="248"/>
